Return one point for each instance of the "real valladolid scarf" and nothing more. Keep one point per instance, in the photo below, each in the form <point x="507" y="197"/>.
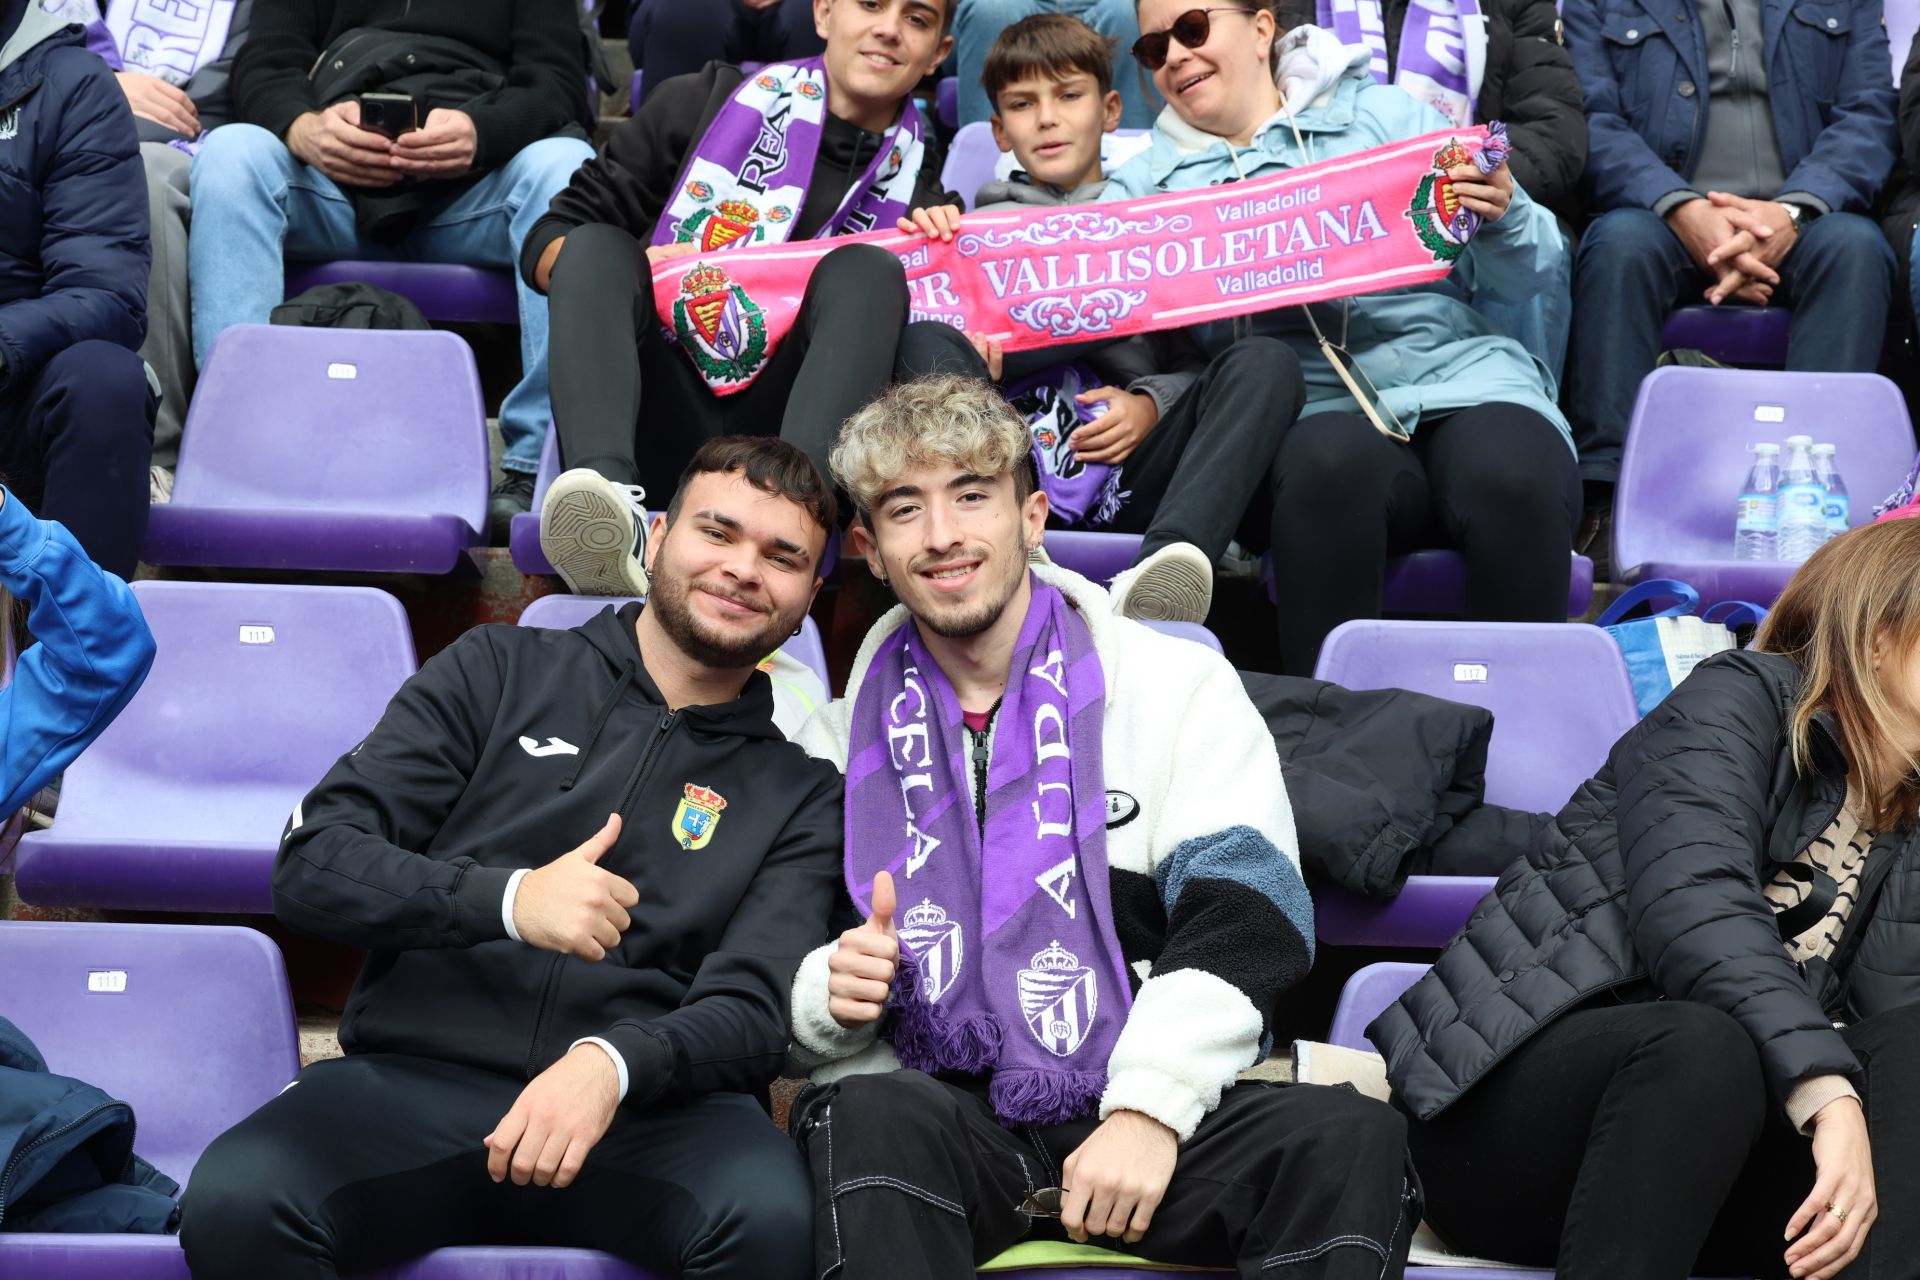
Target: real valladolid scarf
<point x="746" y="185"/>
<point x="1442" y="48"/>
<point x="1010" y="962"/>
<point x="1384" y="218"/>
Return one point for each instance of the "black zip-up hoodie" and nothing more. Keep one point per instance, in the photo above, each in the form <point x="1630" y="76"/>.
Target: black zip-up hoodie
<point x="633" y="178"/>
<point x="510" y="748"/>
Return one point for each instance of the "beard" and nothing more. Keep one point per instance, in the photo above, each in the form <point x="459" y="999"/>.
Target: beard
<point x="672" y="606"/>
<point x="965" y="622"/>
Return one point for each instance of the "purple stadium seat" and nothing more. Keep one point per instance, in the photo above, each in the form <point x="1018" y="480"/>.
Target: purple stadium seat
<point x="633" y="92"/>
<point x="347" y="449"/>
<point x="1686" y="456"/>
<point x="973" y="155"/>
<point x="1560" y="697"/>
<point x="1731" y="334"/>
<point x="946" y="101"/>
<point x="191" y="1024"/>
<point x="445" y="292"/>
<point x="523" y="538"/>
<point x="1435" y="582"/>
<point x="1902" y="19"/>
<point x="565" y="611"/>
<point x="1096" y="557"/>
<point x="254" y="692"/>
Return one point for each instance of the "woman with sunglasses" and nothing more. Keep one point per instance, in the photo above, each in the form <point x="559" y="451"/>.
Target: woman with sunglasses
<point x="1682" y="1034"/>
<point x="1422" y="427"/>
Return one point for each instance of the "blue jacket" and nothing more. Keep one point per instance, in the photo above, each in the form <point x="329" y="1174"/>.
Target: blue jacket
<point x="1425" y="349"/>
<point x="73" y="200"/>
<point x="66" y="1153"/>
<point x="93" y="651"/>
<point x="1643" y="71"/>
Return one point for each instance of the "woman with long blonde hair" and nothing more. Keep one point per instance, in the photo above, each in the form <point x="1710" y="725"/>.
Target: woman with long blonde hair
<point x="1683" y="1033"/>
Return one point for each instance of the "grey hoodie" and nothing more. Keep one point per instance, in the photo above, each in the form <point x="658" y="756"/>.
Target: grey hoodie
<point x="37" y="24"/>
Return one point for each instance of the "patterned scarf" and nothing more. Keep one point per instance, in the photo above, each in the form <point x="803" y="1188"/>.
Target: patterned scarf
<point x="1078" y="492"/>
<point x="1440" y="59"/>
<point x="746" y="185"/>
<point x="1012" y="928"/>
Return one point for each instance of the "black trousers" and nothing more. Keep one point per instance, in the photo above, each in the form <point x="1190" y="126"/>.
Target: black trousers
<point x="368" y="1160"/>
<point x="76" y="437"/>
<point x="1638" y="1140"/>
<point x="630" y="404"/>
<point x="1495" y="481"/>
<point x="1202" y="474"/>
<point x="914" y="1179"/>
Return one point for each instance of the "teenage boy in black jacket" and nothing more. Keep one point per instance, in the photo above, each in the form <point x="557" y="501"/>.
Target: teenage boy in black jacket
<point x="629" y="404"/>
<point x="596" y="1024"/>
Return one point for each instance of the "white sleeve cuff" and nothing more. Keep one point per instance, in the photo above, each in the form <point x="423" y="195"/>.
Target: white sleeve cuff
<point x="506" y="918"/>
<point x="619" y="1063"/>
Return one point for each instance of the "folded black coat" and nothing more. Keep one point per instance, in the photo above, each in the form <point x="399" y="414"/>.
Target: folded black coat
<point x="1387" y="783"/>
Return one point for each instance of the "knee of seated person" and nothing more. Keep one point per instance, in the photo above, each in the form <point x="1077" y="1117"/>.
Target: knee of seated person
<point x="105" y="382"/>
<point x="898" y="1107"/>
<point x="543" y="168"/>
<point x="1271" y="362"/>
<point x="599" y="248"/>
<point x="862" y="273"/>
<point x="1622" y="235"/>
<point x="763" y="1234"/>
<point x="935" y="347"/>
<point x="1321" y="456"/>
<point x="992" y="14"/>
<point x="234" y="159"/>
<point x="229" y="1224"/>
<point x="1851" y="241"/>
<point x="1703" y="1050"/>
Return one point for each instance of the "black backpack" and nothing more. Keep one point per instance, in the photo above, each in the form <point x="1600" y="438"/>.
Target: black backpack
<point x="351" y="304"/>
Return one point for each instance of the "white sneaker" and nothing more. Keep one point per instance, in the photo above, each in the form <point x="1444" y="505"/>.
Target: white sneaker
<point x="1174" y="584"/>
<point x="594" y="533"/>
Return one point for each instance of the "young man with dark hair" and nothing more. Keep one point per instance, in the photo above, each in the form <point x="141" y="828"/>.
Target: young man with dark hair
<point x="797" y="151"/>
<point x="594" y="1023"/>
<point x="1076" y="857"/>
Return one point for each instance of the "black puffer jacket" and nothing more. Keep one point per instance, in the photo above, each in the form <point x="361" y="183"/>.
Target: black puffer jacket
<point x="1529" y="85"/>
<point x="1653" y="871"/>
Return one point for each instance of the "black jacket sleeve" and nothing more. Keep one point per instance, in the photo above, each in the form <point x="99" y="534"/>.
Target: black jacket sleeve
<point x="351" y="867"/>
<point x="630" y="182"/>
<point x="1694" y="820"/>
<point x="1534" y="91"/>
<point x="731" y="1031"/>
<point x="546" y="88"/>
<point x="270" y="84"/>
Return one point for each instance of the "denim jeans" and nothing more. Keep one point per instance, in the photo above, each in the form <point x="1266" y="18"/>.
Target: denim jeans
<point x="255" y="205"/>
<point x="1631" y="270"/>
<point x="978" y="23"/>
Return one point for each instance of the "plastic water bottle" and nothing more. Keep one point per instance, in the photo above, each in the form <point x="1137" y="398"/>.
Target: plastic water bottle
<point x="1803" y="503"/>
<point x="1756" y="523"/>
<point x="1839" y="510"/>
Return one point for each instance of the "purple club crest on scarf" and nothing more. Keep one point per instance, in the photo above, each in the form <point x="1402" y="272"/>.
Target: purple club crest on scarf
<point x="1010" y="962"/>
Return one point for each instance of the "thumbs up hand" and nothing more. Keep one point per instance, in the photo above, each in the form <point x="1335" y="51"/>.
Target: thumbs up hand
<point x="574" y="906"/>
<point x="860" y="970"/>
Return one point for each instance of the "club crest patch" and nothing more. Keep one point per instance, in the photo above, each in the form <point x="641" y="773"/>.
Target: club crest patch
<point x="731" y="222"/>
<point x="1443" y="224"/>
<point x="1059" y="998"/>
<point x="810" y="91"/>
<point x="720" y="327"/>
<point x="937" y="943"/>
<point x="697" y="816"/>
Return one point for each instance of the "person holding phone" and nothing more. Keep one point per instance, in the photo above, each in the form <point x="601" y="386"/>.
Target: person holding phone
<point x="501" y="113"/>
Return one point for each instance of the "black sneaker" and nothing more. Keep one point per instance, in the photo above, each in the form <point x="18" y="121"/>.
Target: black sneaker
<point x="512" y="496"/>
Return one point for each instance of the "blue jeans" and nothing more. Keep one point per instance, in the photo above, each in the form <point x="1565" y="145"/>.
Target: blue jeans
<point x="1631" y="270"/>
<point x="1540" y="323"/>
<point x="256" y="205"/>
<point x="978" y="23"/>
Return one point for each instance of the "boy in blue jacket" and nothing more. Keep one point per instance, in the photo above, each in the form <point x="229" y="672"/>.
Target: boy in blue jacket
<point x="75" y="434"/>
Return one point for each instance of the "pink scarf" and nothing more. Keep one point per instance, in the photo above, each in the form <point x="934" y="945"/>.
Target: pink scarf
<point x="1379" y="219"/>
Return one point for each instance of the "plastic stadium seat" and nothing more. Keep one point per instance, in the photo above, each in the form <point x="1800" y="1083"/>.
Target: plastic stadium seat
<point x="1731" y="334"/>
<point x="445" y="292"/>
<point x="1560" y="697"/>
<point x="1095" y="556"/>
<point x="975" y="159"/>
<point x="946" y="101"/>
<point x="1686" y="458"/>
<point x="191" y="1024"/>
<point x="254" y="692"/>
<point x="523" y="537"/>
<point x="1902" y="19"/>
<point x="1435" y="582"/>
<point x="565" y="612"/>
<point x="350" y="449"/>
<point x="1189" y="631"/>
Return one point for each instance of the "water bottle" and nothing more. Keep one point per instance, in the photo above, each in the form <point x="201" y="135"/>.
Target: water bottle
<point x="1756" y="524"/>
<point x="1839" y="510"/>
<point x="1803" y="503"/>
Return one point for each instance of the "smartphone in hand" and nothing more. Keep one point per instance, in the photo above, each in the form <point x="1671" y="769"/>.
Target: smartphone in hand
<point x="390" y="113"/>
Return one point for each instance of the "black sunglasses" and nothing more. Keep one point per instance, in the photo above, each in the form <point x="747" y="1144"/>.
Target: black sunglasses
<point x="1191" y="29"/>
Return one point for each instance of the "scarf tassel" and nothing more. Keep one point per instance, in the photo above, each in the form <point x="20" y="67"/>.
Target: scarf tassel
<point x="1046" y="1097"/>
<point x="926" y="1039"/>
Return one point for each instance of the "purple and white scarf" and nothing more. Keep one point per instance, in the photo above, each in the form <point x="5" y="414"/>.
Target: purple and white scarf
<point x="168" y="39"/>
<point x="1078" y="492"/>
<point x="1010" y="962"/>
<point x="1443" y="48"/>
